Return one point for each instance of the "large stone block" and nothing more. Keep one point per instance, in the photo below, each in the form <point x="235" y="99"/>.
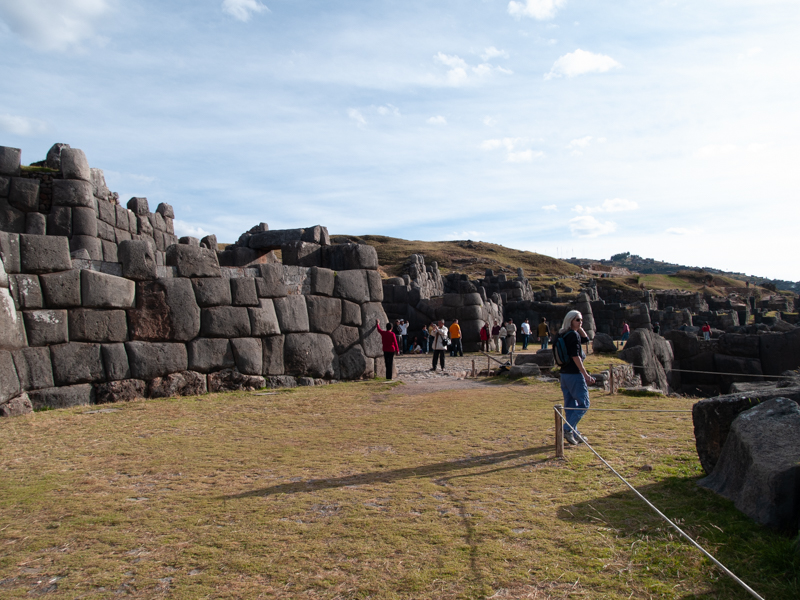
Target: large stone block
<point x="273" y="355"/>
<point x="271" y="283"/>
<point x="138" y="206"/>
<point x="273" y="240"/>
<point x="322" y="281"/>
<point x="9" y="379"/>
<point x="193" y="261"/>
<point x="225" y="321"/>
<point x="324" y="314"/>
<point x="62" y="397"/>
<point x="110" y="253"/>
<point x="469" y="313"/>
<point x="138" y="259"/>
<point x="77" y="362"/>
<point x="281" y="381"/>
<point x="99" y="290"/>
<point x="231" y="380"/>
<point x="45" y="327"/>
<point x="16" y="407"/>
<point x="183" y="383"/>
<point x="9" y="251"/>
<point x="292" y="314"/>
<point x="72" y="192"/>
<point x="35" y="224"/>
<point x="9" y="160"/>
<point x="107" y="213"/>
<point x="301" y="254"/>
<point x="212" y="291"/>
<point x="375" y="285"/>
<point x="122" y="220"/>
<point x="780" y="352"/>
<point x="345" y="257"/>
<point x="210" y="354"/>
<point x="12" y="220"/>
<point x="12" y="329"/>
<point x="759" y="466"/>
<point x="115" y="361"/>
<point x="92" y="245"/>
<point x="74" y="164"/>
<point x="263" y="319"/>
<point x="310" y="354"/>
<point x="166" y="211"/>
<point x="353" y="363"/>
<point x="370" y="338"/>
<point x="165" y="310"/>
<point x="5" y="186"/>
<point x="243" y="292"/>
<point x="90" y="325"/>
<point x="739" y="344"/>
<point x="351" y="313"/>
<point x="61" y="290"/>
<point x="248" y="353"/>
<point x="123" y="390"/>
<point x="24" y="194"/>
<point x="34" y="368"/>
<point x="149" y="360"/>
<point x="352" y="285"/>
<point x="84" y="221"/>
<point x="44" y="253"/>
<point x="26" y="291"/>
<point x="344" y="338"/>
<point x="59" y="221"/>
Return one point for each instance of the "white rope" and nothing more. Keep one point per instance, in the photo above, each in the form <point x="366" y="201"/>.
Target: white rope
<point x="653" y="410"/>
<point x="725" y="569"/>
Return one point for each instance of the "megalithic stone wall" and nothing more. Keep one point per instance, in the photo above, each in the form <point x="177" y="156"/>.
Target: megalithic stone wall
<point x="105" y="304"/>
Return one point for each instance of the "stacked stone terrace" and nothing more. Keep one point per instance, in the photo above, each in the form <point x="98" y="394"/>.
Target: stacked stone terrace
<point x="85" y="319"/>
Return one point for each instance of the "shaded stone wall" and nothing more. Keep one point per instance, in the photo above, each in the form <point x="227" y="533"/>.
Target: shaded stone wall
<point x="86" y="319"/>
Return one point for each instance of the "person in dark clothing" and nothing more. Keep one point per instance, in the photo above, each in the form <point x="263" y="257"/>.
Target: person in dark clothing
<point x="575" y="380"/>
<point x="390" y="347"/>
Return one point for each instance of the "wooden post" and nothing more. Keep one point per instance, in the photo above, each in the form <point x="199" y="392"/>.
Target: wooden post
<point x="474" y="374"/>
<point x="611" y="379"/>
<point x="559" y="413"/>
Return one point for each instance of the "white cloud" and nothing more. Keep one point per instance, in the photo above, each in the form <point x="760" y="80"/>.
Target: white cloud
<point x="464" y="235"/>
<point x="356" y="115"/>
<point x="523" y="156"/>
<point x="53" y="24"/>
<point x="243" y="9"/>
<point x="492" y="52"/>
<point x="587" y="226"/>
<point x="679" y="231"/>
<point x="581" y="62"/>
<point x="538" y="9"/>
<point x="751" y="52"/>
<point x="580" y="142"/>
<point x="459" y="69"/>
<point x="514" y="154"/>
<point x="184" y="228"/>
<point x="17" y="125"/>
<point x="715" y="150"/>
<point x="550" y="207"/>
<point x="612" y="205"/>
<point x="389" y="110"/>
<point x="437" y="120"/>
<point x="489" y="121"/>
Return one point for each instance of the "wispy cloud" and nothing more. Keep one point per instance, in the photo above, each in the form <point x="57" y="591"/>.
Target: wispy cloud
<point x="550" y="207"/>
<point x="581" y="62"/>
<point x="512" y="147"/>
<point x="17" y="125"/>
<point x="437" y="120"/>
<point x="460" y="72"/>
<point x="682" y="231"/>
<point x="243" y="9"/>
<point x="537" y="9"/>
<point x="184" y="228"/>
<point x="464" y="235"/>
<point x="388" y="110"/>
<point x="609" y="206"/>
<point x="588" y="227"/>
<point x="356" y="116"/>
<point x="492" y="52"/>
<point x="54" y="24"/>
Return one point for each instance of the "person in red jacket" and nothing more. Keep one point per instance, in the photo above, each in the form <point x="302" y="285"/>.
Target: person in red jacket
<point x="390" y="347"/>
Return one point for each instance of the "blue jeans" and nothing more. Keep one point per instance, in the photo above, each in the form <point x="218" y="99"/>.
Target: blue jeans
<point x="524" y="342"/>
<point x="545" y="340"/>
<point x="576" y="395"/>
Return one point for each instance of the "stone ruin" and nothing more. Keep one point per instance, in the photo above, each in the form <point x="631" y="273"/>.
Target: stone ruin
<point x="100" y="303"/>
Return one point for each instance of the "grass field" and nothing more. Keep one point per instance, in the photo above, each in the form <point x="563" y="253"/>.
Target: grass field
<point x="366" y="490"/>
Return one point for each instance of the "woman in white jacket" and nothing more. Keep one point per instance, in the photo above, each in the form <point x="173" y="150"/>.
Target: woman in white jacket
<point x="439" y="335"/>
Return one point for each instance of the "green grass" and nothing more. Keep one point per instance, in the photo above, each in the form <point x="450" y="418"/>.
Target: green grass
<point x="367" y="490"/>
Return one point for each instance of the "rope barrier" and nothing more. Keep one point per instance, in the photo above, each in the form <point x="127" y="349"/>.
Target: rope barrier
<point x="631" y="410"/>
<point x="724" y="569"/>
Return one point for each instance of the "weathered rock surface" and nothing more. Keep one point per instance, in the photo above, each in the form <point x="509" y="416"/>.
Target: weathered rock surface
<point x="123" y="390"/>
<point x="310" y="354"/>
<point x="231" y="380"/>
<point x="759" y="466"/>
<point x="653" y="356"/>
<point x="183" y="383"/>
<point x="17" y="406"/>
<point x="603" y="342"/>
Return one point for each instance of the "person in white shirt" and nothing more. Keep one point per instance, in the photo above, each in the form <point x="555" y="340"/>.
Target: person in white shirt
<point x="525" y="328"/>
<point x="439" y="335"/>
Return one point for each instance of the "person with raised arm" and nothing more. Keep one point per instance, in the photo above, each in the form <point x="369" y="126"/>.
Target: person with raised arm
<point x="390" y="347"/>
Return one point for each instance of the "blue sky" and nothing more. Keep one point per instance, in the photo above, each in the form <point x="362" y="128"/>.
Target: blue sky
<point x="665" y="128"/>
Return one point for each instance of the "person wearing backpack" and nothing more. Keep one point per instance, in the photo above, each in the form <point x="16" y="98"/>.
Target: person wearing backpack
<point x="575" y="380"/>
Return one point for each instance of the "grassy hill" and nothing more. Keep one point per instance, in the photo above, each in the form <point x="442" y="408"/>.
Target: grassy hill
<point x="464" y="256"/>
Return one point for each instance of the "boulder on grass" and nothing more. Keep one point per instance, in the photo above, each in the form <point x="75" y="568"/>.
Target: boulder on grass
<point x="182" y="383"/>
<point x="759" y="467"/>
<point x="603" y="342"/>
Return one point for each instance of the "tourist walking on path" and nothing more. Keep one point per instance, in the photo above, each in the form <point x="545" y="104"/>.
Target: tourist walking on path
<point x="390" y="347"/>
<point x="544" y="334"/>
<point x="403" y="335"/>
<point x="626" y="332"/>
<point x="496" y="336"/>
<point x="706" y="329"/>
<point x="575" y="380"/>
<point x="455" y="337"/>
<point x="511" y="336"/>
<point x="425" y="339"/>
<point x="439" y="335"/>
<point x="485" y="335"/>
<point x="525" y="328"/>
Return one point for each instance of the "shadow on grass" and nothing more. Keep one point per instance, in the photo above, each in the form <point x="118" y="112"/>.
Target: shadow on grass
<point x="434" y="470"/>
<point x="767" y="560"/>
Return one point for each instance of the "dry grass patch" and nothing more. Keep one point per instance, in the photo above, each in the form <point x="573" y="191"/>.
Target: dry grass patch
<point x="362" y="491"/>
